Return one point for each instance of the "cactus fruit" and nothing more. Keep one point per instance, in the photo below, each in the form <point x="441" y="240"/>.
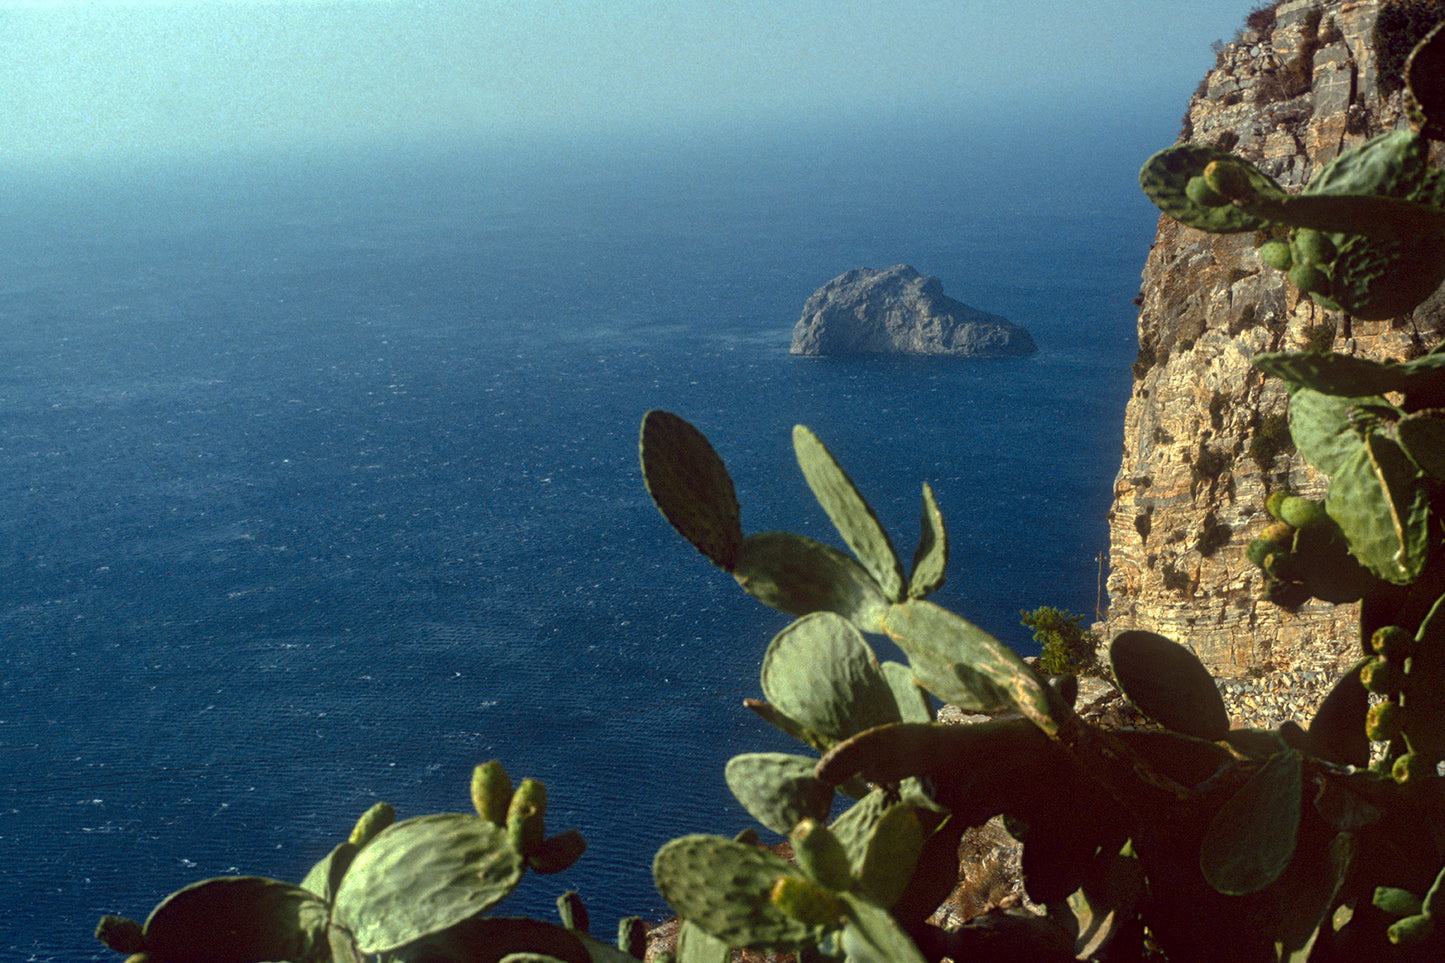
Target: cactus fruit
<point x="1384" y="721"/>
<point x="1309" y="278"/>
<point x="1392" y="642"/>
<point x="1382" y="676"/>
<point x="491" y="792"/>
<point x="526" y="816"/>
<point x="1302" y="512"/>
<point x="1411" y="768"/>
<point x="373" y="821"/>
<point x="1397" y="902"/>
<point x="1411" y="930"/>
<point x="1312" y="247"/>
<point x="1228" y="178"/>
<point x="1197" y="189"/>
<point x="1276" y="254"/>
<point x="1280" y="535"/>
<point x="806" y="902"/>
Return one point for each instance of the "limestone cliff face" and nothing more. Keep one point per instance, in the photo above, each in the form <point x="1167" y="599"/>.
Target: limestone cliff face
<point x="1203" y="446"/>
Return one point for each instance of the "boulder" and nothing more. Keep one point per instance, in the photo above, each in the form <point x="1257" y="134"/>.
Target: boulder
<point x="899" y="311"/>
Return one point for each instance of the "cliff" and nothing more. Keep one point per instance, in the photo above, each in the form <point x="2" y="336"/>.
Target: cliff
<point x="899" y="311"/>
<point x="1204" y="436"/>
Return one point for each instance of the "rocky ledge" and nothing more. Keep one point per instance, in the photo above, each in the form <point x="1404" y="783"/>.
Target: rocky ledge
<point x="899" y="311"/>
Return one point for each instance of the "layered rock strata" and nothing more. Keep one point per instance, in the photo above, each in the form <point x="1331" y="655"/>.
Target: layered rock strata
<point x="1204" y="435"/>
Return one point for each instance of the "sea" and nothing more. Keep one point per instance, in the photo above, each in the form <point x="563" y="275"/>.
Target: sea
<point x="319" y="479"/>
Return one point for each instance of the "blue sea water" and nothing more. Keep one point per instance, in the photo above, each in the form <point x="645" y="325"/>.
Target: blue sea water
<point x="318" y="485"/>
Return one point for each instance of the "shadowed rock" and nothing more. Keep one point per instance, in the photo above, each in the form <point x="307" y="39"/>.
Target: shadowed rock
<point x="899" y="311"/>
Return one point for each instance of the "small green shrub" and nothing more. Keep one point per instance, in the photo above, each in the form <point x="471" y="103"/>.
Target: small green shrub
<point x="1066" y="647"/>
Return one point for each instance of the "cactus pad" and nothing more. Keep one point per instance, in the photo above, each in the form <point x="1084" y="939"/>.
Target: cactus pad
<point x="724" y="888"/>
<point x="1252" y="837"/>
<point x="691" y="487"/>
<point x="424" y="875"/>
<point x="1167" y="683"/>
<point x="239" y="919"/>
<point x="930" y="562"/>
<point x="849" y="512"/>
<point x="820" y="672"/>
<point x="777" y="789"/>
<point x="797" y="575"/>
<point x="1165" y="177"/>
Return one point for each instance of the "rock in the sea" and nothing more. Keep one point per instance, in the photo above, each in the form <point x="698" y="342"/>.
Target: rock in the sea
<point x="899" y="311"/>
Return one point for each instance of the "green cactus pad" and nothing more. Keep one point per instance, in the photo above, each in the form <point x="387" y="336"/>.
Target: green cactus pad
<point x="691" y="487"/>
<point x="1382" y="505"/>
<point x="1337" y="731"/>
<point x="1360" y="380"/>
<point x="556" y="853"/>
<point x="696" y="946"/>
<point x="1323" y="427"/>
<point x="494" y="939"/>
<point x="821" y="672"/>
<point x="849" y="512"/>
<point x="874" y="936"/>
<point x="1422" y="436"/>
<point x="773" y="716"/>
<point x="1376" y="279"/>
<point x="1167" y="683"/>
<point x="797" y="575"/>
<point x="1252" y="837"/>
<point x="1165" y="178"/>
<point x="325" y="876"/>
<point x="1390" y="165"/>
<point x="930" y="562"/>
<point x="854" y="827"/>
<point x="912" y="701"/>
<point x="777" y="789"/>
<point x="239" y="919"/>
<point x="822" y="855"/>
<point x="724" y="887"/>
<point x="121" y="934"/>
<point x="965" y="666"/>
<point x="424" y="875"/>
<point x="890" y="855"/>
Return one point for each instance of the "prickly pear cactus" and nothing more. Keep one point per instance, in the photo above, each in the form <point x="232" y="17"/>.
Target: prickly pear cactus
<point x="1366" y="235"/>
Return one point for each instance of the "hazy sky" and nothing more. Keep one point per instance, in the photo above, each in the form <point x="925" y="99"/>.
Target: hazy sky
<point x="84" y="80"/>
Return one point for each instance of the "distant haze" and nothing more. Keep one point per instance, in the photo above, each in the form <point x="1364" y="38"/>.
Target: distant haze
<point x="121" y="81"/>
